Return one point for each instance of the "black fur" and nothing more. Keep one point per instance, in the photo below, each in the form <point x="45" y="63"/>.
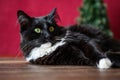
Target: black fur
<point x="84" y="44"/>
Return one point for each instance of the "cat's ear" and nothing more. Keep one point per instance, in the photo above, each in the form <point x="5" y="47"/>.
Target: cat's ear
<point x="53" y="16"/>
<point x="23" y="18"/>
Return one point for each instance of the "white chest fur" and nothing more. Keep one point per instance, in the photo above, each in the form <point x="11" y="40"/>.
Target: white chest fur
<point x="44" y="49"/>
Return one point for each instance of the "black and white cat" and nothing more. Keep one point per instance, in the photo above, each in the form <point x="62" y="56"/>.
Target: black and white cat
<point x="44" y="42"/>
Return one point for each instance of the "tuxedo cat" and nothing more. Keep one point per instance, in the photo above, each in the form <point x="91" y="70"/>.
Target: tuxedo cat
<point x="45" y="42"/>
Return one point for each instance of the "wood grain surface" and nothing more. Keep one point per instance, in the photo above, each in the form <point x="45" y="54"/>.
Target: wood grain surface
<point x="19" y="69"/>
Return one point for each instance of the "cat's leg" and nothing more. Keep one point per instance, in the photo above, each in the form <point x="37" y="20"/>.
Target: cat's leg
<point x="92" y="51"/>
<point x="90" y="48"/>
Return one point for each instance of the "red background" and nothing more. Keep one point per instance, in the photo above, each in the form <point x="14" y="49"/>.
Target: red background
<point x="67" y="9"/>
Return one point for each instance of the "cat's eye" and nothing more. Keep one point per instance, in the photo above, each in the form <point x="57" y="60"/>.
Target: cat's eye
<point x="37" y="30"/>
<point x="51" y="29"/>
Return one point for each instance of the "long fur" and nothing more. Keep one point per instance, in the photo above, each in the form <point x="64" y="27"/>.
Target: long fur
<point x="74" y="45"/>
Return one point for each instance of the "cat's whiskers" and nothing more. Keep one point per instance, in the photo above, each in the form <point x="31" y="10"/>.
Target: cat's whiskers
<point x="18" y="52"/>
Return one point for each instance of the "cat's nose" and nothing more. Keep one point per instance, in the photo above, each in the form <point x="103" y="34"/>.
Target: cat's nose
<point x="49" y="38"/>
<point x="47" y="35"/>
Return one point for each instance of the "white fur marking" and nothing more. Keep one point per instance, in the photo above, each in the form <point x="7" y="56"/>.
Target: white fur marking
<point x="104" y="63"/>
<point x="44" y="49"/>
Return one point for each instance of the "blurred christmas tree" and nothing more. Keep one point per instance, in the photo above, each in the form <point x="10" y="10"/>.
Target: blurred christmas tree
<point x="93" y="12"/>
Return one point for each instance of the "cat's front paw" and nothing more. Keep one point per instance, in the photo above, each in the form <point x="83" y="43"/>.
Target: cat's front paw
<point x="104" y="63"/>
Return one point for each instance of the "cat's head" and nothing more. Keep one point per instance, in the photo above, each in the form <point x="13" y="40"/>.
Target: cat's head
<point x="42" y="28"/>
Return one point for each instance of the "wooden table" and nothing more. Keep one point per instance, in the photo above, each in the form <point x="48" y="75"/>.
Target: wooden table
<point x="19" y="69"/>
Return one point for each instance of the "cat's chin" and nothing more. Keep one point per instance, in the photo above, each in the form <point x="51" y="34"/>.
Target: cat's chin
<point x="44" y="49"/>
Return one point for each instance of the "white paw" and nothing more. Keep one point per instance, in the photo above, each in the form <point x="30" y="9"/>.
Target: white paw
<point x="104" y="63"/>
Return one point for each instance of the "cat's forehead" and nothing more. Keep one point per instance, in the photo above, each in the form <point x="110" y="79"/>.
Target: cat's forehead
<point x="39" y="20"/>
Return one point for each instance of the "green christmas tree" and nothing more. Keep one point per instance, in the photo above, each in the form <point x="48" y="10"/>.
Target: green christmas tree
<point x="93" y="12"/>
